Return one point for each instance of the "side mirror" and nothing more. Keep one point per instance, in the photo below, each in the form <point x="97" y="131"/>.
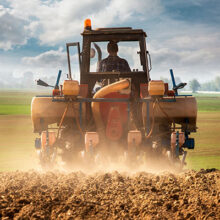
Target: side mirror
<point x="92" y="53"/>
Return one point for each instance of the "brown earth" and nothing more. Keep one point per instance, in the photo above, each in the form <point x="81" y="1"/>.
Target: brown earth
<point x="33" y="195"/>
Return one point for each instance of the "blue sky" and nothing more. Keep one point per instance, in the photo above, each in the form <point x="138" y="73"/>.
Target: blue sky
<point x="183" y="35"/>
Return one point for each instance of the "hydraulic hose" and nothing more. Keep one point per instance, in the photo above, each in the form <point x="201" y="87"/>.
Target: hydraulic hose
<point x="78" y="124"/>
<point x="153" y="117"/>
<point x="61" y="121"/>
<point x="153" y="121"/>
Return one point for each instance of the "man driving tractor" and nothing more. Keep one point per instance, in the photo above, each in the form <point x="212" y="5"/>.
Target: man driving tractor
<point x="113" y="63"/>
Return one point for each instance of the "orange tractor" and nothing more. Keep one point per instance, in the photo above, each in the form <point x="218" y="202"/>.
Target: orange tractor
<point x="113" y="115"/>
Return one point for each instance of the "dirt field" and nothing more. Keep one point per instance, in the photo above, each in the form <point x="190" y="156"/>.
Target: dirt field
<point x="31" y="195"/>
<point x="17" y="143"/>
<point x="107" y="195"/>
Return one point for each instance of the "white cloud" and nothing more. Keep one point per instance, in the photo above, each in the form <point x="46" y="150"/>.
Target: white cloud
<point x="12" y="29"/>
<point x="190" y="48"/>
<point x="48" y="59"/>
<point x="130" y="54"/>
<point x="49" y="62"/>
<point x="55" y="21"/>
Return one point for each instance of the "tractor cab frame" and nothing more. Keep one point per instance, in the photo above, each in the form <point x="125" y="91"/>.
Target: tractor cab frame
<point x="117" y="35"/>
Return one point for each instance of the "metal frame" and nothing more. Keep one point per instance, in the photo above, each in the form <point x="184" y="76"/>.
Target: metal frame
<point x="127" y="100"/>
<point x="147" y="100"/>
<point x="87" y="77"/>
<point x="68" y="45"/>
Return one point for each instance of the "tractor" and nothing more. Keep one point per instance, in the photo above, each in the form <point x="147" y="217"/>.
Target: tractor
<point x="112" y="116"/>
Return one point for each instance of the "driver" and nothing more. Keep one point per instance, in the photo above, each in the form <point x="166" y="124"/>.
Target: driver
<point x="113" y="62"/>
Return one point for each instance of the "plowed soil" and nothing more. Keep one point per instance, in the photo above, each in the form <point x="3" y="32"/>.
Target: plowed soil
<point x="114" y="195"/>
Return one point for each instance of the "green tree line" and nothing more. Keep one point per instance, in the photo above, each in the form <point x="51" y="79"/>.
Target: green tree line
<point x="195" y="85"/>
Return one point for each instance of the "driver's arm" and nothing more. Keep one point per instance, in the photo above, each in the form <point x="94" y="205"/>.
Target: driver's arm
<point x="126" y="67"/>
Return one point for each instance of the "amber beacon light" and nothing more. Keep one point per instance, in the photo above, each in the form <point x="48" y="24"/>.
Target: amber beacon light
<point x="87" y="24"/>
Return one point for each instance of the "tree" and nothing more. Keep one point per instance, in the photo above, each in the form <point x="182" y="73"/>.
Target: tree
<point x="217" y="83"/>
<point x="194" y="85"/>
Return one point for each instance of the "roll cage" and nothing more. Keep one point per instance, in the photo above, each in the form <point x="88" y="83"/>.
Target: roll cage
<point x="105" y="35"/>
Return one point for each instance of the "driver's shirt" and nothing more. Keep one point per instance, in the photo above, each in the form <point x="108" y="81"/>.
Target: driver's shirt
<point x="113" y="63"/>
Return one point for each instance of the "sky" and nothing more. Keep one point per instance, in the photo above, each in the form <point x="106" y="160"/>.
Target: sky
<point x="182" y="35"/>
